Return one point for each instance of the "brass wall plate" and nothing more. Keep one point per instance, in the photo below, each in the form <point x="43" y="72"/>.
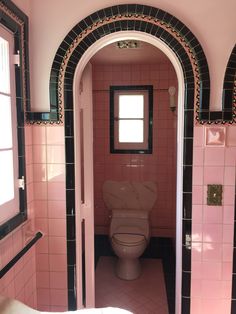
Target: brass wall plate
<point x="214" y="194"/>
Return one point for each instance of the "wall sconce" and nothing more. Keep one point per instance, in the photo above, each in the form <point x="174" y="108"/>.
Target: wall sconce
<point x="171" y="92"/>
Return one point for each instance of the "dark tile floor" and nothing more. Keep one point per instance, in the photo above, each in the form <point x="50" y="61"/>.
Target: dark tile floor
<point x="161" y="248"/>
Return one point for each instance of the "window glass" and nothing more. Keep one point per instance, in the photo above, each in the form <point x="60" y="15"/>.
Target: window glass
<point x="131" y="131"/>
<point x="4" y="66"/>
<point x="5" y="122"/>
<point x="7" y="176"/>
<point x="131" y="106"/>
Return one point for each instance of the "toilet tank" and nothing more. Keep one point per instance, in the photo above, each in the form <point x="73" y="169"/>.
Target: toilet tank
<point x="135" y="195"/>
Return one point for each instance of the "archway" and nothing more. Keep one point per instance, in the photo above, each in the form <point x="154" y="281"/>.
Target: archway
<point x="168" y="30"/>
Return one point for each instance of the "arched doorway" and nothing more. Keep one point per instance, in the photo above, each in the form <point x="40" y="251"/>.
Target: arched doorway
<point x="169" y="32"/>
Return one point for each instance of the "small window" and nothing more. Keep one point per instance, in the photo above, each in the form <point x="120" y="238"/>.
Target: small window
<point x="131" y="119"/>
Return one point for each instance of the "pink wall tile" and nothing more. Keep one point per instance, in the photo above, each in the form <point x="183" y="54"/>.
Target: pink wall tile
<point x="211" y="270"/>
<point x="40" y="190"/>
<point x="212" y="214"/>
<point x="56" y="172"/>
<point x="197" y="175"/>
<point x="230" y="156"/>
<point x="59" y="297"/>
<point x="56" y="209"/>
<point x="55" y="154"/>
<point x="42" y="262"/>
<point x="198" y="156"/>
<point x="212" y="233"/>
<point x="212" y="252"/>
<point x="55" y="135"/>
<point x="57" y="227"/>
<point x="41" y="208"/>
<point x="39" y="154"/>
<point x="58" y="280"/>
<point x="228" y="195"/>
<point x="42" y="278"/>
<point x="39" y="135"/>
<point x="228" y="214"/>
<point x="57" y="245"/>
<point x="130" y="166"/>
<point x="199" y="138"/>
<point x="40" y="172"/>
<point x="228" y="234"/>
<point x="214" y="156"/>
<point x="57" y="262"/>
<point x="56" y="191"/>
<point x="213" y="175"/>
<point x="43" y="297"/>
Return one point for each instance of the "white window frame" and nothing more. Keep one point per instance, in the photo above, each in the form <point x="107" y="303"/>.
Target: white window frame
<point x="11" y="208"/>
<point x="131" y="147"/>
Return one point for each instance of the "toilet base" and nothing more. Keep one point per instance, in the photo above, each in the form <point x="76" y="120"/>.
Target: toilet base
<point x="128" y="269"/>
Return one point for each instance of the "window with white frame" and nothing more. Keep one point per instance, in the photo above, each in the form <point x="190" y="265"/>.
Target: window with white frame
<point x="9" y="189"/>
<point x="131" y="119"/>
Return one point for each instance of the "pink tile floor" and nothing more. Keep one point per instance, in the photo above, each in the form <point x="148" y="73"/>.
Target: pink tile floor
<point x="145" y="295"/>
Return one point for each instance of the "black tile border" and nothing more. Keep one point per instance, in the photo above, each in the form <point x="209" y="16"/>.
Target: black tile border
<point x="65" y="97"/>
<point x="16" y="21"/>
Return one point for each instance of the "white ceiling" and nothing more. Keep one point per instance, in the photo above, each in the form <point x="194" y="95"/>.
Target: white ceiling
<point x="144" y="54"/>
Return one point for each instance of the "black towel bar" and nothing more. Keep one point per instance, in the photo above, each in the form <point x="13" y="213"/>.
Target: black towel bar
<point x="15" y="259"/>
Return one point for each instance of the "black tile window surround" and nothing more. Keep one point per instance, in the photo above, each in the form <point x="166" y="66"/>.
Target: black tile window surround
<point x="127" y="88"/>
<point x="14" y="20"/>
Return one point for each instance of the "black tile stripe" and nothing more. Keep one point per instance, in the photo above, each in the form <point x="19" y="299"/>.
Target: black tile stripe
<point x="229" y="89"/>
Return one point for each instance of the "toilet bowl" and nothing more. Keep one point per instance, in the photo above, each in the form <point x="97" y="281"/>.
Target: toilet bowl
<point x="129" y="226"/>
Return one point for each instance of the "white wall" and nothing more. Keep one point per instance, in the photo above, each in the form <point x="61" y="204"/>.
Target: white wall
<point x="24" y="5"/>
<point x="212" y="22"/>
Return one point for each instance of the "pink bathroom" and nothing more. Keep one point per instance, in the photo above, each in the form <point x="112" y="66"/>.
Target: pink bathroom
<point x="118" y="157"/>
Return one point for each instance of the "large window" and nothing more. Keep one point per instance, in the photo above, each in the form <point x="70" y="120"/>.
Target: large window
<point x="9" y="196"/>
<point x="131" y="119"/>
<point x="13" y="91"/>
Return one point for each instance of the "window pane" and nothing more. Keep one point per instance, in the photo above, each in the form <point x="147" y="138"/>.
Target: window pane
<point x="131" y="131"/>
<point x="4" y="66"/>
<point x="7" y="176"/>
<point x="5" y="122"/>
<point x="131" y="106"/>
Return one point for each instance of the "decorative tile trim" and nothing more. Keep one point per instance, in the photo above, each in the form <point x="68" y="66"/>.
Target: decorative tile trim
<point x="229" y="89"/>
<point x="128" y="17"/>
<point x="17" y="22"/>
<point x="196" y="75"/>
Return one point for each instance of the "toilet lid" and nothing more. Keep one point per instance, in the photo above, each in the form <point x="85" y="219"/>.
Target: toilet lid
<point x="128" y="239"/>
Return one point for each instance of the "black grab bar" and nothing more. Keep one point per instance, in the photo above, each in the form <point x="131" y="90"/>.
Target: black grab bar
<point x="15" y="259"/>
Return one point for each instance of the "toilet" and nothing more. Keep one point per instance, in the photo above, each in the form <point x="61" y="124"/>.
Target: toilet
<point x="130" y="203"/>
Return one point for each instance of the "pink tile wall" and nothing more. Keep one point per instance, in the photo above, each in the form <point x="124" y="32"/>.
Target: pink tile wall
<point x="50" y="217"/>
<point x="20" y="281"/>
<point x="212" y="226"/>
<point x="160" y="166"/>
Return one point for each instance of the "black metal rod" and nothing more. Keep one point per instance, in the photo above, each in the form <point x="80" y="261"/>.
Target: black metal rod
<point x="15" y="259"/>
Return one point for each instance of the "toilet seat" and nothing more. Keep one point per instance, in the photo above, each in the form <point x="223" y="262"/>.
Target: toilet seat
<point x="128" y="239"/>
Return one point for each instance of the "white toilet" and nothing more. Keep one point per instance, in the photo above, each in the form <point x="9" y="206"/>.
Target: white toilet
<point x="130" y="203"/>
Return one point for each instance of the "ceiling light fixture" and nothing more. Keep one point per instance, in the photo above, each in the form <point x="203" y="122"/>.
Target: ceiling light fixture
<point x="127" y="44"/>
